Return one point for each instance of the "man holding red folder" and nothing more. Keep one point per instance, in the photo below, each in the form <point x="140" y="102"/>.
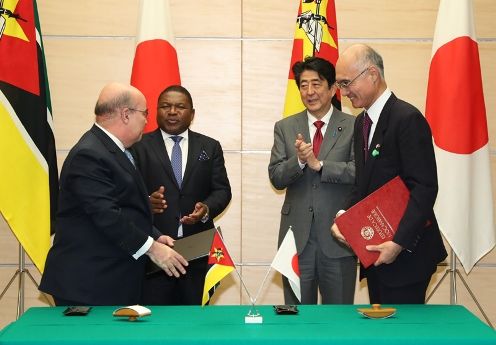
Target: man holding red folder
<point x="392" y="138"/>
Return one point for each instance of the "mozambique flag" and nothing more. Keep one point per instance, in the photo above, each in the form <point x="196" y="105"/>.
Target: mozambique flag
<point x="316" y="34"/>
<point x="28" y="166"/>
<point x="155" y="64"/>
<point x="221" y="265"/>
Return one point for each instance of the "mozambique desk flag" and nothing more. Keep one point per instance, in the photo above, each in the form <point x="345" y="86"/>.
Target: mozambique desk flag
<point x="456" y="113"/>
<point x="221" y="265"/>
<point x="316" y="34"/>
<point x="28" y="166"/>
<point x="155" y="64"/>
<point x="286" y="262"/>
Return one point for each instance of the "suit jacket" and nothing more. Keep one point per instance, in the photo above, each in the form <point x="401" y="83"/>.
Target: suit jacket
<point x="103" y="218"/>
<point x="403" y="141"/>
<point x="313" y="196"/>
<point x="205" y="179"/>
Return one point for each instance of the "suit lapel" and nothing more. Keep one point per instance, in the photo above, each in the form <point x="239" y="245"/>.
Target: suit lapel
<point x="160" y="151"/>
<point x="332" y="133"/>
<point x="194" y="150"/>
<point x="121" y="158"/>
<point x="378" y="137"/>
<point x="301" y="126"/>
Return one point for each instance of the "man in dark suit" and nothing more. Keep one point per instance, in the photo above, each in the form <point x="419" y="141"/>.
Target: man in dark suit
<point x="392" y="138"/>
<point x="317" y="181"/>
<point x="196" y="191"/>
<point x="104" y="223"/>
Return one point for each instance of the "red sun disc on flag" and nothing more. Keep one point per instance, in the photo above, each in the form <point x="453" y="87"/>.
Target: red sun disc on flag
<point x="294" y="265"/>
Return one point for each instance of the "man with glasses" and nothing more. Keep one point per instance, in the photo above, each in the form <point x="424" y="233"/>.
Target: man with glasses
<point x="104" y="225"/>
<point x="392" y="138"/>
<point x="185" y="175"/>
<point x="312" y="158"/>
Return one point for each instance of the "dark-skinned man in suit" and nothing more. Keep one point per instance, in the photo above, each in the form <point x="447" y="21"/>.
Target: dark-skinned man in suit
<point x="191" y="194"/>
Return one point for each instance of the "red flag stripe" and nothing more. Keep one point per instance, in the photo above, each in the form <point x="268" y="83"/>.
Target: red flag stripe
<point x="155" y="65"/>
<point x="463" y="129"/>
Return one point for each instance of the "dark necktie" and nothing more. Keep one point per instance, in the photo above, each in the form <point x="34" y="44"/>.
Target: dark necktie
<point x="367" y="124"/>
<point x="177" y="160"/>
<point x="130" y="157"/>
<point x="317" y="138"/>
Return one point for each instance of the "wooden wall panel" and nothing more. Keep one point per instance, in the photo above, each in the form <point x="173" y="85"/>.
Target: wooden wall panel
<point x="265" y="74"/>
<point x="88" y="18"/>
<point x="206" y="18"/>
<point x="211" y="71"/>
<point x="269" y="293"/>
<point x="77" y="70"/>
<point x="269" y="19"/>
<point x="230" y="220"/>
<point x="9" y="246"/>
<point x="261" y="207"/>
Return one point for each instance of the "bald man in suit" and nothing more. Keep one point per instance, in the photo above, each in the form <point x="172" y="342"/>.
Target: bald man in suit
<point x="317" y="182"/>
<point x="401" y="140"/>
<point x="104" y="226"/>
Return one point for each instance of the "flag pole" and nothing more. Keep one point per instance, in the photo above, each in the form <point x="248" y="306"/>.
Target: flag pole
<point x="263" y="283"/>
<point x="244" y="286"/>
<point x="20" y="273"/>
<point x="453" y="271"/>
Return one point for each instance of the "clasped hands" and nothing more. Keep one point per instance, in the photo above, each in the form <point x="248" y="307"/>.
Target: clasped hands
<point x="167" y="258"/>
<point x="388" y="251"/>
<point x="305" y="154"/>
<point x="159" y="204"/>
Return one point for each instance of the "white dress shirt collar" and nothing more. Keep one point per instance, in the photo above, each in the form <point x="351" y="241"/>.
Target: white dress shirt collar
<point x="375" y="109"/>
<point x="113" y="137"/>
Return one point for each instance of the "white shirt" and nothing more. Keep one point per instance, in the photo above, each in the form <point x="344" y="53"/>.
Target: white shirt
<point x="375" y="110"/>
<point x="184" y="144"/>
<point x="312" y="129"/>
<point x="149" y="241"/>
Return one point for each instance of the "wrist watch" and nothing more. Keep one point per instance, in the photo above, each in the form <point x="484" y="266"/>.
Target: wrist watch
<point x="206" y="217"/>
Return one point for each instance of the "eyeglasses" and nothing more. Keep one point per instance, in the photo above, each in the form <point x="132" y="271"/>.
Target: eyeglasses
<point x="144" y="112"/>
<point x="343" y="84"/>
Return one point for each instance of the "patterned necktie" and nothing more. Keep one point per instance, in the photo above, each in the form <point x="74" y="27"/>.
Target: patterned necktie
<point x="317" y="138"/>
<point x="130" y="157"/>
<point x="367" y="124"/>
<point x="177" y="159"/>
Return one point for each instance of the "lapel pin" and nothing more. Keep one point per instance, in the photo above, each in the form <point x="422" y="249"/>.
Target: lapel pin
<point x="375" y="152"/>
<point x="340" y="129"/>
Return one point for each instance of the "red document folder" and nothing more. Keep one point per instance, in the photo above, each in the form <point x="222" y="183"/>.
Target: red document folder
<point x="374" y="220"/>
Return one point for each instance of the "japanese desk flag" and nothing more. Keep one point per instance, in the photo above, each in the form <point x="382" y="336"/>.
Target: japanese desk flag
<point x="286" y="262"/>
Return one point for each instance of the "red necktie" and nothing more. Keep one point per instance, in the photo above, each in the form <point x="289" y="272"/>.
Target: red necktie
<point x="317" y="138"/>
<point x="367" y="124"/>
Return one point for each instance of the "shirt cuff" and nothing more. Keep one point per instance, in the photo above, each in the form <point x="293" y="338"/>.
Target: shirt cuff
<point x="206" y="217"/>
<point x="144" y="248"/>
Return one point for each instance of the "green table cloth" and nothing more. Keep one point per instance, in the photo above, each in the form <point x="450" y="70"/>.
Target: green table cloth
<point x="223" y="325"/>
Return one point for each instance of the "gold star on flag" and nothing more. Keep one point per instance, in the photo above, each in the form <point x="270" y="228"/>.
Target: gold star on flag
<point x="218" y="254"/>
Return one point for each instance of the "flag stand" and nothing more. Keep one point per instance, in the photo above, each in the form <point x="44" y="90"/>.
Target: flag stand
<point x="453" y="272"/>
<point x="20" y="273"/>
